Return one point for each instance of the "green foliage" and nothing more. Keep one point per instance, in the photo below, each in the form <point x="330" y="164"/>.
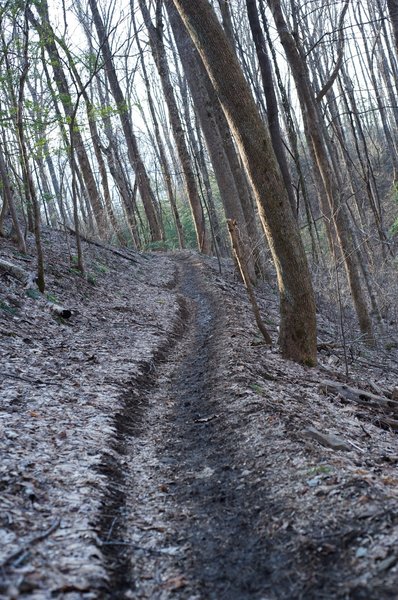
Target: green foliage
<point x="166" y="245"/>
<point x="100" y="268"/>
<point x="7" y="308"/>
<point x="103" y="111"/>
<point x="258" y="389"/>
<point x="188" y="226"/>
<point x="34" y="294"/>
<point x="394" y="227"/>
<point x="52" y="298"/>
<point x="320" y="470"/>
<point x="47" y="197"/>
<point x="171" y="241"/>
<point x="91" y="279"/>
<point x="391" y="346"/>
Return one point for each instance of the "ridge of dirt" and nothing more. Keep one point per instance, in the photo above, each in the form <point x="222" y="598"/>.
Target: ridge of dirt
<point x="127" y="423"/>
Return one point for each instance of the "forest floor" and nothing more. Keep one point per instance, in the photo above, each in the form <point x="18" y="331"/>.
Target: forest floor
<point x="153" y="447"/>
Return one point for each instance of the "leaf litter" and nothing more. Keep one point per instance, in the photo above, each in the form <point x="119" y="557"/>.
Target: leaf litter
<point x="154" y="448"/>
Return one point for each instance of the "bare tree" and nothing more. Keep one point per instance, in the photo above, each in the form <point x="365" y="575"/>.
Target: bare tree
<point x="136" y="161"/>
<point x="159" y="54"/>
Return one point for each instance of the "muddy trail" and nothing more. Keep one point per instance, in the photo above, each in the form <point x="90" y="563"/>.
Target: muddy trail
<point x="186" y="510"/>
<point x="191" y="510"/>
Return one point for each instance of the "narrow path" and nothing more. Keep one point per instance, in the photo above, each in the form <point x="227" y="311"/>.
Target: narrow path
<point x="181" y="517"/>
<point x="226" y="558"/>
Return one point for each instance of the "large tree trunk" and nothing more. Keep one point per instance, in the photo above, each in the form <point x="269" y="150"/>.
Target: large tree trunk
<point x="196" y="76"/>
<point x="393" y="10"/>
<point x="298" y="321"/>
<point x="314" y="128"/>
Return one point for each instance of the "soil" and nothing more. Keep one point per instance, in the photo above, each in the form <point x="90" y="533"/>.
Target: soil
<point x="154" y="447"/>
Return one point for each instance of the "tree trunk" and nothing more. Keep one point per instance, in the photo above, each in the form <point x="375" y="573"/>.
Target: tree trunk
<point x="393" y="10"/>
<point x="144" y="187"/>
<point x="270" y="96"/>
<point x="27" y="175"/>
<point x="298" y="321"/>
<point x="164" y="163"/>
<point x="47" y="36"/>
<point x="204" y="107"/>
<point x="159" y="54"/>
<point x="8" y="199"/>
<point x="314" y="128"/>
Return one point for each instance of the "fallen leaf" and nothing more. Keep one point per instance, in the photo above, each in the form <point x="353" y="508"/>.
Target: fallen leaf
<point x="175" y="583"/>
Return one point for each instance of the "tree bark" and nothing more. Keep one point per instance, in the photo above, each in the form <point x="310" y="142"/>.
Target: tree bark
<point x="297" y="306"/>
<point x="46" y="33"/>
<point x="314" y="128"/>
<point x="204" y="106"/>
<point x="393" y="10"/>
<point x="27" y="174"/>
<point x="8" y="199"/>
<point x="270" y="97"/>
<point x="164" y="163"/>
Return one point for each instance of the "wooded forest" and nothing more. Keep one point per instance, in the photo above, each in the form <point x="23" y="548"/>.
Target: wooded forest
<point x="150" y="124"/>
<point x="198" y="299"/>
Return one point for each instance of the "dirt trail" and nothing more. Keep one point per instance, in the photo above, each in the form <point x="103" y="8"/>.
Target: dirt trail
<point x="216" y="494"/>
<point x="186" y="522"/>
<point x="227" y="559"/>
<point x="169" y="445"/>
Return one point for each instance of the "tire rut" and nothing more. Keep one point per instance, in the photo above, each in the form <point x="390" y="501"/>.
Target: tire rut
<point x="227" y="558"/>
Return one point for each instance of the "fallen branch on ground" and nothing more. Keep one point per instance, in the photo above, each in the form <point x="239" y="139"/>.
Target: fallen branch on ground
<point x="59" y="311"/>
<point x="329" y="440"/>
<point x="25" y="277"/>
<point x="32" y="542"/>
<point x="103" y="246"/>
<point x="358" y="396"/>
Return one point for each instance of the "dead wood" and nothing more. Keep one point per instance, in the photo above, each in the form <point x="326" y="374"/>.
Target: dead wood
<point x="60" y="311"/>
<point x="387" y="422"/>
<point x="328" y="345"/>
<point x="31" y="381"/>
<point x="329" y="440"/>
<point x="103" y="246"/>
<point x="358" y="396"/>
<point x="27" y="278"/>
<point x="240" y="258"/>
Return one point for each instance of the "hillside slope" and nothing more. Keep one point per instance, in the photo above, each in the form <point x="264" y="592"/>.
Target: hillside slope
<point x="153" y="447"/>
